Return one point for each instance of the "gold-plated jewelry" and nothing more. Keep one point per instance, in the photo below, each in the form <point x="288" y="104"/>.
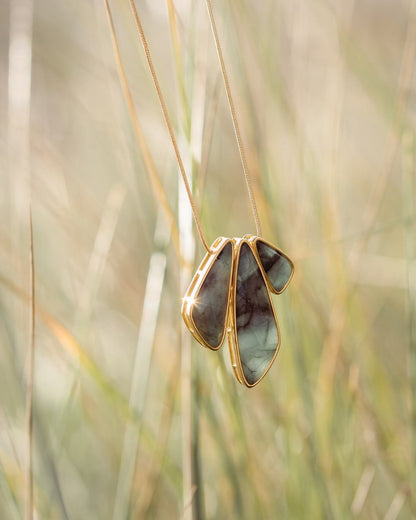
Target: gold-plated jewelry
<point x="230" y="292"/>
<point x="230" y="295"/>
<point x="277" y="274"/>
<point x="205" y="305"/>
<point x="234" y="119"/>
<point x="168" y="122"/>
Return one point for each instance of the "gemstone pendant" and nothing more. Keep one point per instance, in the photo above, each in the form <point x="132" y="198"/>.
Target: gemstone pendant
<point x="230" y="292"/>
<point x="255" y="337"/>
<point x="277" y="267"/>
<point x="205" y="305"/>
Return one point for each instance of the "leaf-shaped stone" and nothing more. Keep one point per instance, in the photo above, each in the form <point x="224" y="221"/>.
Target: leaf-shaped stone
<point x="278" y="268"/>
<point x="256" y="327"/>
<point x="209" y="312"/>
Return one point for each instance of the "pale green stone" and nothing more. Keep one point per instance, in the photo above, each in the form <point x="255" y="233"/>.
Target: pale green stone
<point x="257" y="332"/>
<point x="277" y="267"/>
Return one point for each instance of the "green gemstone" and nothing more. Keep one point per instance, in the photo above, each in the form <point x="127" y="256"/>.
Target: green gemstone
<point x="257" y="332"/>
<point x="277" y="267"/>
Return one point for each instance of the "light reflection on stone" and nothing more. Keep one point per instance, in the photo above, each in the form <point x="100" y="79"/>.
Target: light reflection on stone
<point x="211" y="303"/>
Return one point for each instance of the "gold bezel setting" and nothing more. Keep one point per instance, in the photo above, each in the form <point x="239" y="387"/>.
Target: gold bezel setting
<point x="190" y="299"/>
<point x="233" y="344"/>
<point x="253" y="240"/>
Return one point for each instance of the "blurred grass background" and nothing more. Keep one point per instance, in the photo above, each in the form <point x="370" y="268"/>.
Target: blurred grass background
<point x="326" y="96"/>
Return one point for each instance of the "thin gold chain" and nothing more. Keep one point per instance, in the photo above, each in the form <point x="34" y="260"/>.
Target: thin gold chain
<point x="234" y="118"/>
<point x="170" y="128"/>
<point x="150" y="166"/>
<point x="168" y="124"/>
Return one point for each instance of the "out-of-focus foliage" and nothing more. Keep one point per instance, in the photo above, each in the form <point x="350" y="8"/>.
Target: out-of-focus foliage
<point x="325" y="92"/>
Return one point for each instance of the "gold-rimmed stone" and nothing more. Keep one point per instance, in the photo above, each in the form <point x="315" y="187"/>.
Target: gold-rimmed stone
<point x="256" y="337"/>
<point x="230" y="294"/>
<point x="277" y="267"/>
<point x="205" y="305"/>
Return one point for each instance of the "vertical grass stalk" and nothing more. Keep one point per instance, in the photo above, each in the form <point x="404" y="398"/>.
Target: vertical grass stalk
<point x="30" y="378"/>
<point x="141" y="369"/>
<point x="409" y="209"/>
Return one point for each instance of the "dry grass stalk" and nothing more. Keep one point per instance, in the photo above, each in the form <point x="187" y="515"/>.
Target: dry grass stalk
<point x="30" y="382"/>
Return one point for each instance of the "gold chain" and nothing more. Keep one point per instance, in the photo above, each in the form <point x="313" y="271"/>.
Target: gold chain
<point x="168" y="123"/>
<point x="234" y="118"/>
<point x="147" y="159"/>
<point x="170" y="128"/>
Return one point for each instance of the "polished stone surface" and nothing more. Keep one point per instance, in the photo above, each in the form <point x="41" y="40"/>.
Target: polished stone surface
<point x="277" y="267"/>
<point x="210" y="307"/>
<point x="257" y="332"/>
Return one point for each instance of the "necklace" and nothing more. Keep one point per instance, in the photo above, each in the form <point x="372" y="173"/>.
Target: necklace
<point x="229" y="294"/>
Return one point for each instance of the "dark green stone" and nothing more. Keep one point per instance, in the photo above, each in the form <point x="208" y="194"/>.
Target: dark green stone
<point x="209" y="312"/>
<point x="277" y="267"/>
<point x="257" y="332"/>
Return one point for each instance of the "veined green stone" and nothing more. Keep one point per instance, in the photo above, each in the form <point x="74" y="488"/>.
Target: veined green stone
<point x="257" y="332"/>
<point x="209" y="311"/>
<point x="276" y="266"/>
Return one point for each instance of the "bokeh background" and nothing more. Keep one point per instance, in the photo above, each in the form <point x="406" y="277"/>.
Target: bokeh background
<point x="132" y="419"/>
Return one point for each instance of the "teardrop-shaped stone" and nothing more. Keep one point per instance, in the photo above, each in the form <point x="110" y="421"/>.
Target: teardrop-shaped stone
<point x="257" y="333"/>
<point x="277" y="267"/>
<point x="209" y="311"/>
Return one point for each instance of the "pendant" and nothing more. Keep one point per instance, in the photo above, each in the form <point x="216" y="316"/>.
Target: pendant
<point x="230" y="295"/>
